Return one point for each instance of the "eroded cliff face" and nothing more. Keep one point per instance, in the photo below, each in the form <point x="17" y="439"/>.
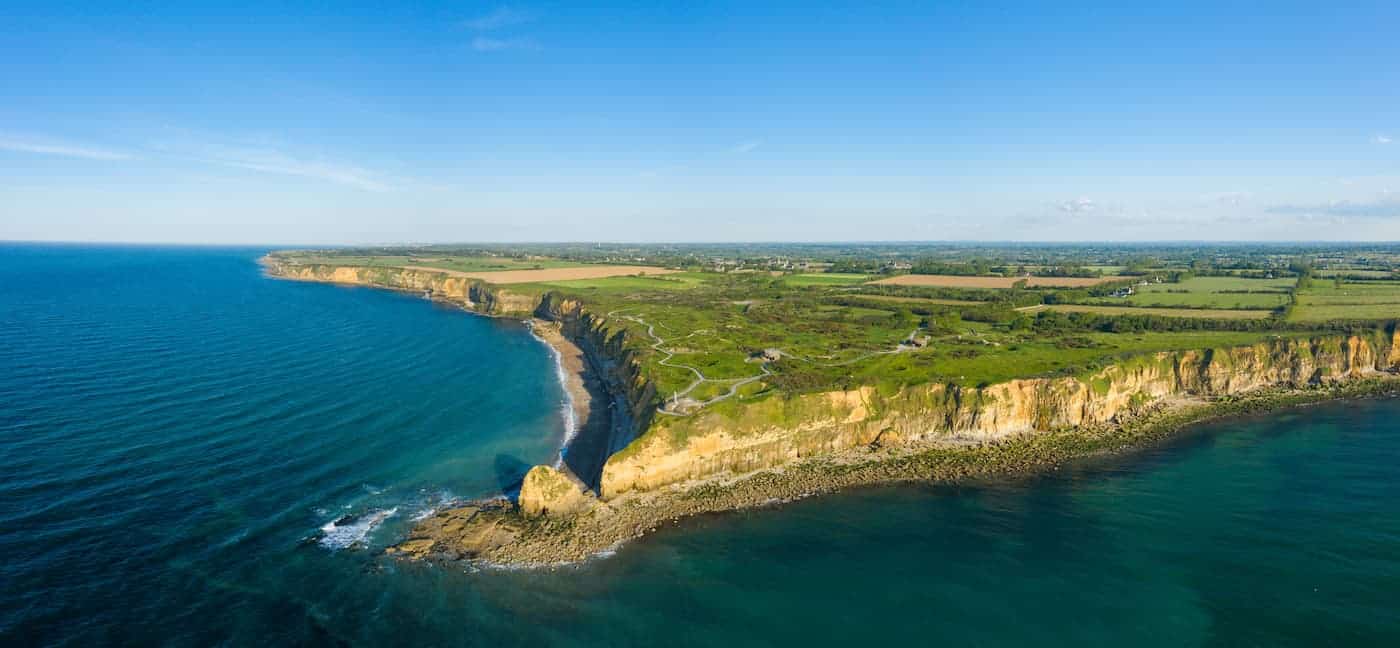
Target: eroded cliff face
<point x="469" y="293"/>
<point x="770" y="433"/>
<point x="607" y="349"/>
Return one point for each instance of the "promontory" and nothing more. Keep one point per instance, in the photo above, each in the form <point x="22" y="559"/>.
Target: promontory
<point x="708" y="378"/>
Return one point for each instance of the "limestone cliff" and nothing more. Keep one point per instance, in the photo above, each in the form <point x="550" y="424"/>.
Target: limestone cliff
<point x="608" y="348"/>
<point x="547" y="491"/>
<point x="775" y="431"/>
<point x="469" y="293"/>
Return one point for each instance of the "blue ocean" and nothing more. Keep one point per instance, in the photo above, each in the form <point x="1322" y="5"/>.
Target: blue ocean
<point x="194" y="454"/>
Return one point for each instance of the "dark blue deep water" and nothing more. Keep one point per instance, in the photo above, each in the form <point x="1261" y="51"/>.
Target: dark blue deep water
<point x="174" y="427"/>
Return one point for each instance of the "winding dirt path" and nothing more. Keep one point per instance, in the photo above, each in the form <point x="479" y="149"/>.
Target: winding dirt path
<point x="668" y="408"/>
<point x="700" y="377"/>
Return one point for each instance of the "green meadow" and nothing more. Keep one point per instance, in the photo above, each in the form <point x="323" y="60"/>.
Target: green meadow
<point x="1325" y="300"/>
<point x="1212" y="292"/>
<point x="825" y="279"/>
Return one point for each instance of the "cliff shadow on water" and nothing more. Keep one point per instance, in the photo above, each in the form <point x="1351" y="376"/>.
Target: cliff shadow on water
<point x="510" y="472"/>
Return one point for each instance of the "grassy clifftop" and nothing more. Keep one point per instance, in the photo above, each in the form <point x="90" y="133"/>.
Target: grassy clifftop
<point x="771" y="433"/>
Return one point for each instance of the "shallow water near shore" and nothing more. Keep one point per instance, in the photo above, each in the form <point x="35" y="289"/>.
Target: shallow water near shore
<point x="192" y="453"/>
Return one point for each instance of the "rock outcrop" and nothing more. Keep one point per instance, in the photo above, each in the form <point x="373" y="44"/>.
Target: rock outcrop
<point x="548" y="491"/>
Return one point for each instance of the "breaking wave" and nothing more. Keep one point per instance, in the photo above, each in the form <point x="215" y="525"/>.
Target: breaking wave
<point x="566" y="408"/>
<point x="351" y="530"/>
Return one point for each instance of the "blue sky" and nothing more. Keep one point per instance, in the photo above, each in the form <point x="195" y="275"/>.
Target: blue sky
<point x="304" y="123"/>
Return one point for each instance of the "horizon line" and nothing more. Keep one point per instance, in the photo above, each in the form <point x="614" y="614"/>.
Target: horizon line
<point x="876" y="242"/>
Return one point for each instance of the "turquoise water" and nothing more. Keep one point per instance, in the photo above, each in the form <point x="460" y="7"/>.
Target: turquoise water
<point x="176" y="430"/>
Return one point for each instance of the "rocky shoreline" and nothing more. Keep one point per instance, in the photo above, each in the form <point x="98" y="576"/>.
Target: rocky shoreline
<point x="497" y="533"/>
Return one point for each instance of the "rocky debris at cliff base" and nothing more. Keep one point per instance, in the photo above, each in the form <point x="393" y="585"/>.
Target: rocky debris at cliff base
<point x="507" y="537"/>
<point x="461" y="533"/>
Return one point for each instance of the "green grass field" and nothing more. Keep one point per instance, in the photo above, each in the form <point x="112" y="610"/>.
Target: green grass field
<point x="991" y="356"/>
<point x="354" y="260"/>
<point x="459" y="263"/>
<point x="922" y="300"/>
<point x="1212" y="292"/>
<point x="719" y="321"/>
<point x="858" y="312"/>
<point x="825" y="279"/>
<point x="1363" y="300"/>
<point x="1205" y="313"/>
<point x="489" y="264"/>
<point x="1372" y="274"/>
<point x="619" y="285"/>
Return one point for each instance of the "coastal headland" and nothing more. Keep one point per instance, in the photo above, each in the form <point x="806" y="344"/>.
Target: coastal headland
<point x="666" y="426"/>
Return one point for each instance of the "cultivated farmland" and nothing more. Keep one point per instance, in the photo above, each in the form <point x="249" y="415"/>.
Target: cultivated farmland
<point x="1203" y="313"/>
<point x="1326" y="300"/>
<point x="825" y="279"/>
<point x="550" y="274"/>
<point x="1213" y="292"/>
<point x="958" y="281"/>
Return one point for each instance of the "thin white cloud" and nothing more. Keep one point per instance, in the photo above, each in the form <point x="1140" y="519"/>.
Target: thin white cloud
<point x="499" y="18"/>
<point x="264" y="158"/>
<point x="1228" y="198"/>
<point x="1078" y="205"/>
<point x="1383" y="207"/>
<point x="272" y="161"/>
<point x="40" y="146"/>
<point x="484" y="44"/>
<point x="1381" y="138"/>
<point x="746" y="147"/>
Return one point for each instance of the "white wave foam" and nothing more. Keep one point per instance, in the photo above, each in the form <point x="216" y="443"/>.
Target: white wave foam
<point x="423" y="514"/>
<point x="351" y="530"/>
<point x="444" y="498"/>
<point x="566" y="408"/>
